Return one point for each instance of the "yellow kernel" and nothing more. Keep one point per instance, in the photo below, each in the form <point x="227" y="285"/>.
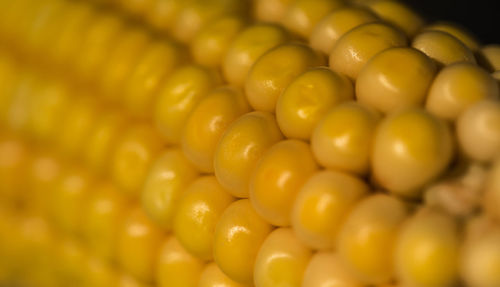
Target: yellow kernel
<point x="411" y="148"/>
<point x="398" y="14"/>
<point x="208" y="121"/>
<point x="343" y="139"/>
<point x="322" y="205"/>
<point x="270" y="10"/>
<point x="212" y="276"/>
<point x="274" y="71"/>
<point x="197" y="214"/>
<point x="395" y="78"/>
<point x="427" y="250"/>
<point x="326" y="33"/>
<point x="478" y="130"/>
<point x="239" y="235"/>
<point x="366" y="240"/>
<point x="103" y="214"/>
<point x="282" y="260"/>
<point x="308" y="97"/>
<point x="176" y="267"/>
<point x="132" y="157"/>
<point x="491" y="197"/>
<point x="138" y="244"/>
<point x="247" y="47"/>
<point x="359" y="45"/>
<point x="42" y="175"/>
<point x="166" y="182"/>
<point x="457" y="87"/>
<point x="163" y="13"/>
<point x="21" y="103"/>
<point x="491" y="57"/>
<point x="240" y="147"/>
<point x="99" y="273"/>
<point x="277" y="178"/>
<point x="442" y="47"/>
<point x="326" y="270"/>
<point x="458" y="32"/>
<point x="302" y="15"/>
<point x="14" y="160"/>
<point x="177" y="98"/>
<point x="210" y="45"/>
<point x="157" y="61"/>
<point x="136" y="7"/>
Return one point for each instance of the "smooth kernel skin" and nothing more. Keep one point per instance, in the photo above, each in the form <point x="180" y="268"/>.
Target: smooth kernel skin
<point x="366" y="240"/>
<point x="442" y="47"/>
<point x="240" y="147"/>
<point x="104" y="211"/>
<point x="68" y="199"/>
<point x="458" y="32"/>
<point x="427" y="250"/>
<point x="491" y="57"/>
<point x="359" y="45"/>
<point x="163" y="13"/>
<point x="333" y="26"/>
<point x="177" y="98"/>
<point x="325" y="269"/>
<point x="274" y="71"/>
<point x="20" y="103"/>
<point x="394" y="79"/>
<point x="166" y="182"/>
<point x="176" y="267"/>
<point x="322" y="205"/>
<point x="197" y="214"/>
<point x="138" y="244"/>
<point x="481" y="258"/>
<point x="126" y="280"/>
<point x="102" y="140"/>
<point x="277" y="178"/>
<point x="76" y="125"/>
<point x="42" y="174"/>
<point x="343" y="139"/>
<point x="302" y="15"/>
<point x="491" y="197"/>
<point x="14" y="160"/>
<point x="210" y="45"/>
<point x="457" y="87"/>
<point x="136" y="7"/>
<point x="411" y="148"/>
<point x="99" y="273"/>
<point x="208" y="121"/>
<point x="70" y="257"/>
<point x="121" y="62"/>
<point x="134" y="154"/>
<point x="212" y="276"/>
<point x="282" y="260"/>
<point x="97" y="44"/>
<point x="247" y="47"/>
<point x="238" y="237"/>
<point x="399" y="15"/>
<point x="9" y="75"/>
<point x="271" y="10"/>
<point x="308" y="97"/>
<point x="157" y="62"/>
<point x="478" y="131"/>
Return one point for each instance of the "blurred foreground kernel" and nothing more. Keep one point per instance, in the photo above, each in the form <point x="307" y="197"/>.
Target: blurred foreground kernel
<point x="395" y="78"/>
<point x="398" y="14"/>
<point x="178" y="96"/>
<point x="198" y="212"/>
<point x="438" y="234"/>
<point x="458" y="32"/>
<point x="208" y="121"/>
<point x="162" y="13"/>
<point x="277" y="178"/>
<point x="239" y="234"/>
<point x="322" y="205"/>
<point x="411" y="147"/>
<point x="176" y="267"/>
<point x="342" y="146"/>
<point x="14" y="160"/>
<point x="492" y="191"/>
<point x="308" y="97"/>
<point x="247" y="47"/>
<point x="270" y="10"/>
<point x="457" y="87"/>
<point x="165" y="183"/>
<point x="281" y="260"/>
<point x="43" y="172"/>
<point x="325" y="269"/>
<point x="442" y="47"/>
<point x="355" y="48"/>
<point x="240" y="147"/>
<point x="273" y="72"/>
<point x="366" y="240"/>
<point x="138" y="244"/>
<point x="212" y="276"/>
<point x="491" y="55"/>
<point x="325" y="34"/>
<point x="135" y="152"/>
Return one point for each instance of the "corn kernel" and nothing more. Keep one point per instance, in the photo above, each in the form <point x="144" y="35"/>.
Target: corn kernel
<point x="326" y="270"/>
<point x="14" y="160"/>
<point x="99" y="273"/>
<point x="163" y="13"/>
<point x="492" y="191"/>
<point x="458" y="32"/>
<point x="491" y="55"/>
<point x="212" y="276"/>
<point x="43" y="172"/>
<point x="270" y="10"/>
<point x="398" y="14"/>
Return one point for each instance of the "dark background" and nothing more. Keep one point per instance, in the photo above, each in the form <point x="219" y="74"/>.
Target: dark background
<point x="480" y="17"/>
